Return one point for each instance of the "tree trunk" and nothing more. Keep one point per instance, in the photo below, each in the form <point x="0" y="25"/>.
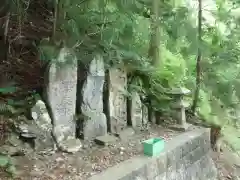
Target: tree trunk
<point x="4" y="21"/>
<point x="199" y="57"/>
<point x="154" y="44"/>
<point x="153" y="52"/>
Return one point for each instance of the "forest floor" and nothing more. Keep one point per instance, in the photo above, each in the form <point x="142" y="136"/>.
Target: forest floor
<point x="228" y="164"/>
<point x="93" y="159"/>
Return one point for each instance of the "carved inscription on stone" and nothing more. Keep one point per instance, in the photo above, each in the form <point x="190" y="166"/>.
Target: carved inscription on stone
<point x="117" y="99"/>
<point x="61" y="95"/>
<point x="95" y="123"/>
<point x="136" y="111"/>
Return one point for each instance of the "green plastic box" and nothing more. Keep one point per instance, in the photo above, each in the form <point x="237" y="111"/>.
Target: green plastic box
<point x="153" y="147"/>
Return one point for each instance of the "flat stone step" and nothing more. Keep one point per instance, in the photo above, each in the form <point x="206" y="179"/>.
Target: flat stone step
<point x="105" y="140"/>
<point x="179" y="127"/>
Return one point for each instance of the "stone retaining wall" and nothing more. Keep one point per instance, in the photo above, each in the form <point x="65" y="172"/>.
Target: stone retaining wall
<point x="186" y="157"/>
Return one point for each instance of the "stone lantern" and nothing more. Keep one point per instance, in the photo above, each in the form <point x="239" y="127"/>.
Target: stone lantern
<point x="180" y="106"/>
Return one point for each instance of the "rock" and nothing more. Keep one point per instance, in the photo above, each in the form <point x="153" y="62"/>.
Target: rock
<point x="40" y="115"/>
<point x="23" y="128"/>
<point x="145" y="116"/>
<point x="105" y="140"/>
<point x="42" y="119"/>
<point x="136" y="111"/>
<point x="122" y="149"/>
<point x="11" y="150"/>
<point x="95" y="123"/>
<point x="117" y="82"/>
<point x="126" y="133"/>
<point x="27" y="131"/>
<point x="14" y="146"/>
<point x="70" y="145"/>
<point x="61" y="91"/>
<point x="117" y="126"/>
<point x="28" y="135"/>
<point x="30" y="132"/>
<point x="14" y="140"/>
<point x="139" y="113"/>
<point x="88" y="144"/>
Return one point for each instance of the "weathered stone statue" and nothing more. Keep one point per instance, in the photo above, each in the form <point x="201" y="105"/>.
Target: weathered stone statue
<point x="95" y="122"/>
<point x="117" y="100"/>
<point x="61" y="91"/>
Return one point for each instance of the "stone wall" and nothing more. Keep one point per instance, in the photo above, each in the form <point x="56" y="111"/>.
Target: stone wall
<point x="185" y="157"/>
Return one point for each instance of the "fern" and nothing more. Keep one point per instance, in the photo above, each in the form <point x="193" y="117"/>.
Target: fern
<point x="7" y="90"/>
<point x="7" y="109"/>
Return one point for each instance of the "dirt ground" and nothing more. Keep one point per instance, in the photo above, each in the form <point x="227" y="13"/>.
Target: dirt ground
<point x="94" y="159"/>
<point x="91" y="160"/>
<point x="227" y="163"/>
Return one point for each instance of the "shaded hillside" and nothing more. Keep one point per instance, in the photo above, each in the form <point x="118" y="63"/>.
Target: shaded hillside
<point x="21" y="64"/>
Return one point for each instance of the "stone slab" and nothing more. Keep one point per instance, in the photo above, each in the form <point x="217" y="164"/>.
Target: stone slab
<point x="61" y="82"/>
<point x="117" y="82"/>
<point x="105" y="140"/>
<point x="179" y="127"/>
<point x="43" y="121"/>
<point x="136" y="111"/>
<point x="71" y="145"/>
<point x="95" y="123"/>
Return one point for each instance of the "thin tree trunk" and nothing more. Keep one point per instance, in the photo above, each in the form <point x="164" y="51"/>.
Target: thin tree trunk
<point x="199" y="57"/>
<point x="153" y="52"/>
<point x="5" y="9"/>
<point x="59" y="16"/>
<point x="6" y="27"/>
<point x="55" y="19"/>
<point x="154" y="44"/>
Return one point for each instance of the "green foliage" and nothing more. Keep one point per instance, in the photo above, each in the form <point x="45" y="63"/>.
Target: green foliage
<point x="120" y="30"/>
<point x="4" y="160"/>
<point x="7" y="90"/>
<point x="7" y="109"/>
<point x="173" y="68"/>
<point x="7" y="164"/>
<point x="48" y="52"/>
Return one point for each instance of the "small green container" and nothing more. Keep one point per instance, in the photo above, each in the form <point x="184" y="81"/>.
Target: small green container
<point x="153" y="147"/>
